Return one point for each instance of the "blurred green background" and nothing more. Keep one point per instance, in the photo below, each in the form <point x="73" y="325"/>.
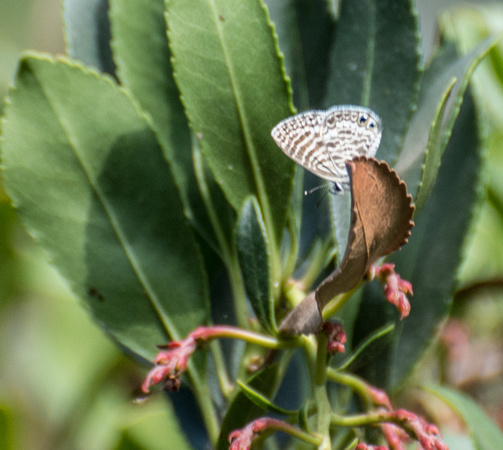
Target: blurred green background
<point x="63" y="384"/>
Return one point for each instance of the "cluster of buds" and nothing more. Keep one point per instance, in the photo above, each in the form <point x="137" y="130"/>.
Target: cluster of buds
<point x="172" y="361"/>
<point x="398" y="426"/>
<point x="395" y="289"/>
<point x="243" y="438"/>
<point x="405" y="424"/>
<point x="336" y="337"/>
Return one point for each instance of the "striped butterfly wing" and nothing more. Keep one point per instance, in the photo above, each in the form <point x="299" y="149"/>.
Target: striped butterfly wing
<point x="321" y="141"/>
<point x="347" y="132"/>
<point x="301" y="138"/>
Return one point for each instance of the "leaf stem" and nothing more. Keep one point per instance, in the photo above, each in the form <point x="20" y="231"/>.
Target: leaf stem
<point x="338" y="302"/>
<point x="231" y="332"/>
<point x="252" y="155"/>
<point x="320" y="391"/>
<point x="355" y="383"/>
<point x="362" y="346"/>
<point x="228" y="255"/>
<point x="223" y="378"/>
<point x="203" y="398"/>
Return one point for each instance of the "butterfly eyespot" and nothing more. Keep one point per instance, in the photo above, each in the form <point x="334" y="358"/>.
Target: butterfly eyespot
<point x="372" y="125"/>
<point x="362" y="119"/>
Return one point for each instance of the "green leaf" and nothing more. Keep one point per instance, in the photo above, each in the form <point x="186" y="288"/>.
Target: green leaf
<point x="242" y="410"/>
<point x="434" y="151"/>
<point x="376" y="63"/>
<point x="362" y="346"/>
<point x="6" y="429"/>
<point x="154" y="426"/>
<point x="374" y="39"/>
<point x="234" y="91"/>
<point x="252" y="247"/>
<point x="141" y="52"/>
<point x="340" y="209"/>
<point x="437" y="79"/>
<point x="431" y="258"/>
<point x="485" y="434"/>
<point x="89" y="180"/>
<point x="87" y="33"/>
<point x="468" y="26"/>
<point x="263" y="402"/>
<point x="305" y="33"/>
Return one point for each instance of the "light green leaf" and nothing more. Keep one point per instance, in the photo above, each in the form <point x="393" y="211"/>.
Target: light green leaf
<point x="434" y="151"/>
<point x="89" y="180"/>
<point x="436" y="81"/>
<point x="154" y="426"/>
<point x="234" y="91"/>
<point x="141" y="52"/>
<point x="485" y="434"/>
<point x="7" y="431"/>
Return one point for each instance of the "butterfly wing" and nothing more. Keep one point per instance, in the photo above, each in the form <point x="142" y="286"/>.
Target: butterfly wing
<point x="300" y="138"/>
<point x="349" y="131"/>
<point x="322" y="141"/>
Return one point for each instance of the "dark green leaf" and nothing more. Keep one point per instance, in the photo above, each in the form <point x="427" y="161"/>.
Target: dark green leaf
<point x="252" y="245"/>
<point x="91" y="184"/>
<point x="242" y="410"/>
<point x="87" y="33"/>
<point x="263" y="402"/>
<point x="305" y="32"/>
<point x="437" y="79"/>
<point x="365" y="344"/>
<point x="431" y="258"/>
<point x="141" y="52"/>
<point x="485" y="434"/>
<point x="234" y="92"/>
<point x="375" y="62"/>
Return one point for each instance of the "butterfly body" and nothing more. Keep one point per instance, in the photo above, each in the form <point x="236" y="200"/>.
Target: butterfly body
<point x="322" y="141"/>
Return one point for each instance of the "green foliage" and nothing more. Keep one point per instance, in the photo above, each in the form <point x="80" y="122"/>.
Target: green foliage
<point x="144" y="165"/>
<point x="254" y="259"/>
<point x="119" y="207"/>
<point x="484" y="433"/>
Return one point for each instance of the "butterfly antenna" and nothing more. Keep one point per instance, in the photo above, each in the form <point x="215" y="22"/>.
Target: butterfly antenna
<point x="317" y="188"/>
<point x="322" y="198"/>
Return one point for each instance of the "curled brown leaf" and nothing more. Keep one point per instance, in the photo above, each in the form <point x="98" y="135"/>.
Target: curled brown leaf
<point x="381" y="221"/>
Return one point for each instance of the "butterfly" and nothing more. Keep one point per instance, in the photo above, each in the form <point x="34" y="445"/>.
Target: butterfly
<point x="322" y="141"/>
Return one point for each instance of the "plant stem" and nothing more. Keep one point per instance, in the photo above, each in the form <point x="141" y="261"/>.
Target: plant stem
<point x="223" y="378"/>
<point x="359" y="420"/>
<point x="320" y="392"/>
<point x="338" y="302"/>
<point x="352" y="381"/>
<point x="231" y="332"/>
<point x="228" y="256"/>
<point x="206" y="407"/>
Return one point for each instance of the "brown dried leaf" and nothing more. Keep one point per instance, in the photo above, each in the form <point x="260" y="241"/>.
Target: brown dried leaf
<point x="381" y="220"/>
